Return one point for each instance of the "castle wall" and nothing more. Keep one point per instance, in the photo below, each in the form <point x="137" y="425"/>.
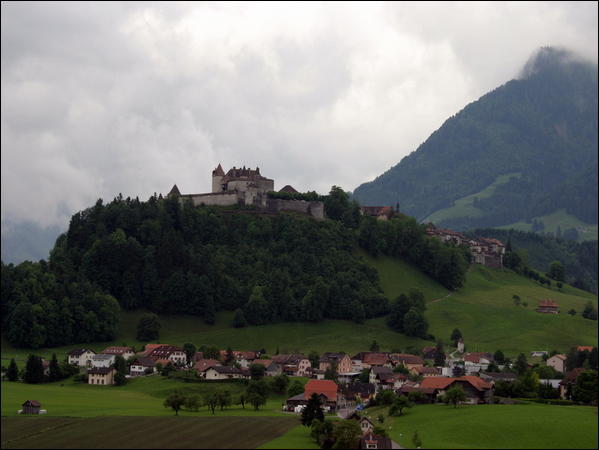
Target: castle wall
<point x="314" y="209"/>
<point x="224" y="199"/>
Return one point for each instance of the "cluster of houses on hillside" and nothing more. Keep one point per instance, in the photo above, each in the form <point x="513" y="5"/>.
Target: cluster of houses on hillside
<point x="486" y="251"/>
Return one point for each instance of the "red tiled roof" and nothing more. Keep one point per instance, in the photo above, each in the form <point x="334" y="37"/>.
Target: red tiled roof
<point x="582" y="348"/>
<point x="205" y="364"/>
<point x="476" y="382"/>
<point x="546" y="302"/>
<point x="407" y="358"/>
<point x="423" y="370"/>
<point x="376" y="359"/>
<point x="326" y="387"/>
<point x="444" y="382"/>
<point x="475" y="357"/>
<point x="149" y="348"/>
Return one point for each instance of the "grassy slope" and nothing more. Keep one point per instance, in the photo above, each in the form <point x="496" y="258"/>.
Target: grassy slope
<point x="494" y="426"/>
<point x="296" y="438"/>
<point x="143" y="432"/>
<point x="463" y="207"/>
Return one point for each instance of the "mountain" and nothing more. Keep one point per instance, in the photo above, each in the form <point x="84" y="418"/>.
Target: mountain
<point x="526" y="150"/>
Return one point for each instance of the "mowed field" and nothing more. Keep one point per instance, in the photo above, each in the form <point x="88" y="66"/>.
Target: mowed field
<point x="494" y="426"/>
<point x="142" y="432"/>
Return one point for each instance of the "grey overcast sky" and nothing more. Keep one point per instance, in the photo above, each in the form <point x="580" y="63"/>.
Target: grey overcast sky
<point x="102" y="98"/>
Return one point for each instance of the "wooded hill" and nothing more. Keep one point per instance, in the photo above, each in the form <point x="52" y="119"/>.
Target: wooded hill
<point x="539" y="132"/>
<point x="179" y="259"/>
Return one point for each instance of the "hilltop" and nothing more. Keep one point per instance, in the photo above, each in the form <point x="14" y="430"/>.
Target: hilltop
<point x="524" y="151"/>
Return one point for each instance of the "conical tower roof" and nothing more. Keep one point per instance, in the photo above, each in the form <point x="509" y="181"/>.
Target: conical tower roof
<point x="218" y="171"/>
<point x="174" y="191"/>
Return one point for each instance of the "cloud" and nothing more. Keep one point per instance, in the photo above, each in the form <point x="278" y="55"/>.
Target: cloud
<point x="102" y="98"/>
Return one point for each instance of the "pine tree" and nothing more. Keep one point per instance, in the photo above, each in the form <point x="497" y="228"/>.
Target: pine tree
<point x="55" y="370"/>
<point x="13" y="371"/>
<point x="312" y="411"/>
<point x="34" y="370"/>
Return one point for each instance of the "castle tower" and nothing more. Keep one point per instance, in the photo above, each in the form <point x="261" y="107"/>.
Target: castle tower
<point x="217" y="178"/>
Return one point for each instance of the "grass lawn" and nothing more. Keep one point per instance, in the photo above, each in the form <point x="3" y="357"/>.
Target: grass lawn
<point x="296" y="438"/>
<point x="494" y="426"/>
<point x="142" y="432"/>
<point x="143" y="396"/>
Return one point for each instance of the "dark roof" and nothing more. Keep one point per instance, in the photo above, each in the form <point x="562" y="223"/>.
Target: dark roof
<point x="143" y="361"/>
<point x="79" y="351"/>
<point x="174" y="191"/>
<point x="499" y="376"/>
<point x="218" y="171"/>
<point x="352" y="389"/>
<point x="380" y="441"/>
<point x="328" y="356"/>
<point x="227" y="369"/>
<point x="32" y="403"/>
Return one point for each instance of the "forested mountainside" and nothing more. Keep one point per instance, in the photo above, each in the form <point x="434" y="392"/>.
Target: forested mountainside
<point x="580" y="260"/>
<point x="173" y="258"/>
<point x="540" y="129"/>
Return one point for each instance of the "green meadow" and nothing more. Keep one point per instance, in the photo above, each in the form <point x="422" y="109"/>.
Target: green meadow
<point x="494" y="426"/>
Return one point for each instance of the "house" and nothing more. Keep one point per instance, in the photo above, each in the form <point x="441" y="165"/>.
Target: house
<point x="295" y="365"/>
<point x="477" y="361"/>
<point x="379" y="375"/>
<point x="101" y="375"/>
<point x="558" y="362"/>
<point x="476" y="389"/>
<point x="142" y="366"/>
<point x="584" y="348"/>
<point x="366" y="425"/>
<point x="366" y="360"/>
<point x="328" y="391"/>
<point x="357" y="392"/>
<point x="202" y="365"/>
<point x="271" y="368"/>
<point x="411" y="362"/>
<point x="81" y="357"/>
<point x="567" y="384"/>
<point x="102" y="360"/>
<point x="31" y="407"/>
<point x="341" y="360"/>
<point x="548" y="306"/>
<point x="427" y="371"/>
<point x="225" y="373"/>
<point x="174" y="354"/>
<point x="149" y="348"/>
<point x="243" y="358"/>
<point x="493" y="377"/>
<point x="429" y="352"/>
<point x="125" y="352"/>
<point x="374" y="441"/>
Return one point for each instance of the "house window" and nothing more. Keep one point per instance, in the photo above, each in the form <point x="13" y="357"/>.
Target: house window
<point x="371" y="446"/>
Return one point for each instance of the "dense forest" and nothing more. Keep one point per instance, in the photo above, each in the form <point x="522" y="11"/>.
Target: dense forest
<point x="579" y="259"/>
<point x="542" y="126"/>
<point x="173" y="258"/>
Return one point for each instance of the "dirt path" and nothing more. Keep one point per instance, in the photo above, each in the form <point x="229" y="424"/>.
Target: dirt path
<point x="439" y="299"/>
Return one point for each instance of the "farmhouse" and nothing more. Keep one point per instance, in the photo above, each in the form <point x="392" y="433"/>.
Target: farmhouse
<point x="203" y="365"/>
<point x="366" y="360"/>
<point x="294" y="364"/>
<point x="31" y="407"/>
<point x="174" y="354"/>
<point x="340" y="360"/>
<point x="142" y="366"/>
<point x="125" y="352"/>
<point x="357" y="391"/>
<point x="428" y="371"/>
<point x="271" y="368"/>
<point x="411" y="362"/>
<point x="379" y="375"/>
<point x="477" y="361"/>
<point x="81" y="357"/>
<point x="548" y="306"/>
<point x="477" y="390"/>
<point x="558" y="362"/>
<point x="243" y="358"/>
<point x="327" y="390"/>
<point x="101" y="375"/>
<point x="224" y="373"/>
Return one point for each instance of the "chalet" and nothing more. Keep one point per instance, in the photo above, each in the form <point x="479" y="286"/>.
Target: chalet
<point x="358" y="392"/>
<point x="366" y="360"/>
<point x="31" y="407"/>
<point x="81" y="357"/>
<point x="293" y="365"/>
<point x="101" y="375"/>
<point x="477" y="361"/>
<point x="366" y="425"/>
<point x="331" y="398"/>
<point x="379" y="375"/>
<point x="142" y="366"/>
<point x="174" y="354"/>
<point x="411" y="362"/>
<point x="102" y="360"/>
<point x="202" y="365"/>
<point x="548" y="306"/>
<point x="341" y="360"/>
<point x="567" y="384"/>
<point x="125" y="352"/>
<point x="225" y="373"/>
<point x="476" y="389"/>
<point x="558" y="362"/>
<point x="243" y="358"/>
<point x="374" y="441"/>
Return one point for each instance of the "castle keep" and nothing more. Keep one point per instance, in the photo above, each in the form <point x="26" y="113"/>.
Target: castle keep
<point x="241" y="186"/>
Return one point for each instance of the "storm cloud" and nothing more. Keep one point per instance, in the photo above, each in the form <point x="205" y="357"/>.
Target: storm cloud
<point x="107" y="98"/>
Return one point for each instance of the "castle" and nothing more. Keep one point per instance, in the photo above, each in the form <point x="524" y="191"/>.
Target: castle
<point x="241" y="186"/>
